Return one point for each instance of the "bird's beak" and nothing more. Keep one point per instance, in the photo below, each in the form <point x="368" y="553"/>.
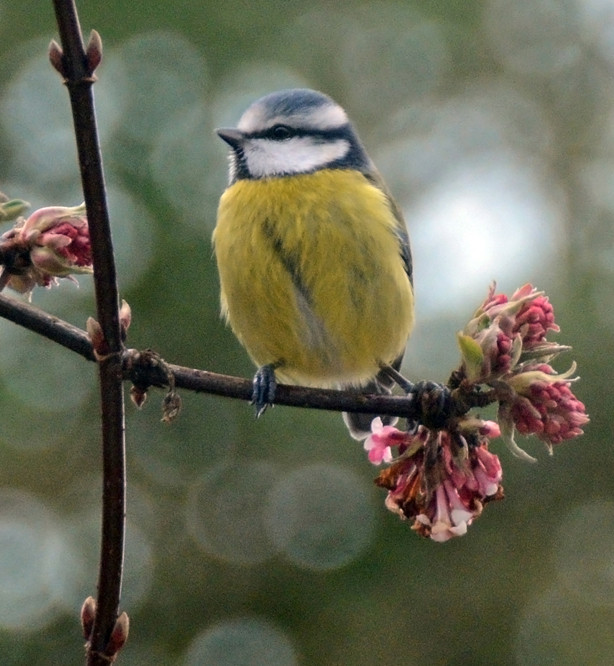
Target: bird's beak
<point x="233" y="137"/>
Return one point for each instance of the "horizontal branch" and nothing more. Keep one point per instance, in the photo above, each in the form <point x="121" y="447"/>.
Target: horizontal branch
<point x="294" y="396"/>
<point x="202" y="381"/>
<point x="47" y="325"/>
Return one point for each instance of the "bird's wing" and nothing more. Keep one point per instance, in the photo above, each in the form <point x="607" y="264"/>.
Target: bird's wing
<point x="401" y="228"/>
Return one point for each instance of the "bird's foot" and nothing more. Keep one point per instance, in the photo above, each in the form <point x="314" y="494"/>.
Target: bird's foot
<point x="264" y="389"/>
<point x="402" y="382"/>
<point x="434" y="400"/>
<point x="436" y="403"/>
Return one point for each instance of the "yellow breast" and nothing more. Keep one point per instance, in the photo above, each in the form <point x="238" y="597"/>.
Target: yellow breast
<point x="312" y="276"/>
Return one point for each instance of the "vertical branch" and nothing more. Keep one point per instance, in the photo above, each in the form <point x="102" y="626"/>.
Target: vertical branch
<point x="77" y="67"/>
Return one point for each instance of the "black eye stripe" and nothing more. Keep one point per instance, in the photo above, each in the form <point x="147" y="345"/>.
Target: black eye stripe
<point x="282" y="132"/>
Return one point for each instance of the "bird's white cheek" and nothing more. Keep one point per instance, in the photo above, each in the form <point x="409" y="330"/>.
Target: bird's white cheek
<point x="296" y="155"/>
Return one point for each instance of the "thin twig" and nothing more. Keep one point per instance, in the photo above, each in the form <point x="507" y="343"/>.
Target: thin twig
<point x="77" y="66"/>
<point x="53" y="328"/>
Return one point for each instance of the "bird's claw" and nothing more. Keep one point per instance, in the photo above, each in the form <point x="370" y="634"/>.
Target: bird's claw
<point x="264" y="387"/>
<point x="436" y="403"/>
<point x="402" y="382"/>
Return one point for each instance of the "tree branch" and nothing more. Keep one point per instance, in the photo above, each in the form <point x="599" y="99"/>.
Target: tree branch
<point x="141" y="371"/>
<point x="53" y="328"/>
<point x="77" y="66"/>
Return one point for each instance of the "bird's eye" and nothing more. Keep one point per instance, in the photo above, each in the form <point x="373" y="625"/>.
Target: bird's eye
<point x="281" y="132"/>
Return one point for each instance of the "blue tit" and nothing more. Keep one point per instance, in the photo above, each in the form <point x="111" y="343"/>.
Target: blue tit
<point x="313" y="254"/>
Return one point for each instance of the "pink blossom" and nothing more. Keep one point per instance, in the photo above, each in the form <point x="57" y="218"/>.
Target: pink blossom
<point x="442" y="527"/>
<point x="527" y="312"/>
<point x="69" y="241"/>
<point x="440" y="478"/>
<point x="506" y="334"/>
<point x="550" y="410"/>
<point x="487" y="471"/>
<point x="379" y="441"/>
<point x="493" y="302"/>
<point x="522" y="292"/>
<point x="52" y="243"/>
<point x="534" y="320"/>
<point x="383" y="439"/>
<point x="489" y="429"/>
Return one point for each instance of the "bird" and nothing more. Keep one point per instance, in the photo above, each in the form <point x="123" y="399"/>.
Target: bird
<point x="313" y="253"/>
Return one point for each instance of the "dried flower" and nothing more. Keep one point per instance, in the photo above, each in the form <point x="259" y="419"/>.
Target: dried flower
<point x="441" y="479"/>
<point x="171" y="406"/>
<point x="138" y="396"/>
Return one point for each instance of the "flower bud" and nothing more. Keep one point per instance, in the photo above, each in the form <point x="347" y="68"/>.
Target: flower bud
<point x="118" y="637"/>
<point x="541" y="403"/>
<point x="533" y="321"/>
<point x="93" y="51"/>
<point x="505" y="333"/>
<point x="125" y="318"/>
<point x="551" y="411"/>
<point x="52" y="243"/>
<point x="88" y="613"/>
<point x="56" y="58"/>
<point x="96" y="335"/>
<point x="62" y="240"/>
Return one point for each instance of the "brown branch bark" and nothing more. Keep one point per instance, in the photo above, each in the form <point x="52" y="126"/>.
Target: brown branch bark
<point x="76" y="66"/>
<point x="53" y="328"/>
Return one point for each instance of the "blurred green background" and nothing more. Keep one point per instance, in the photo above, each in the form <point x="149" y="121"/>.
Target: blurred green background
<point x="266" y="542"/>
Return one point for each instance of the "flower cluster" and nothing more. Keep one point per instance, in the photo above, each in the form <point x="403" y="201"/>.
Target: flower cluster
<point x="439" y="478"/>
<point x="52" y="243"/>
<point x="543" y="404"/>
<point x="505" y="347"/>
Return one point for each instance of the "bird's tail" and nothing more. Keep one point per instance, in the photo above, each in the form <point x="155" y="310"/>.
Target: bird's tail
<point x="359" y="425"/>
